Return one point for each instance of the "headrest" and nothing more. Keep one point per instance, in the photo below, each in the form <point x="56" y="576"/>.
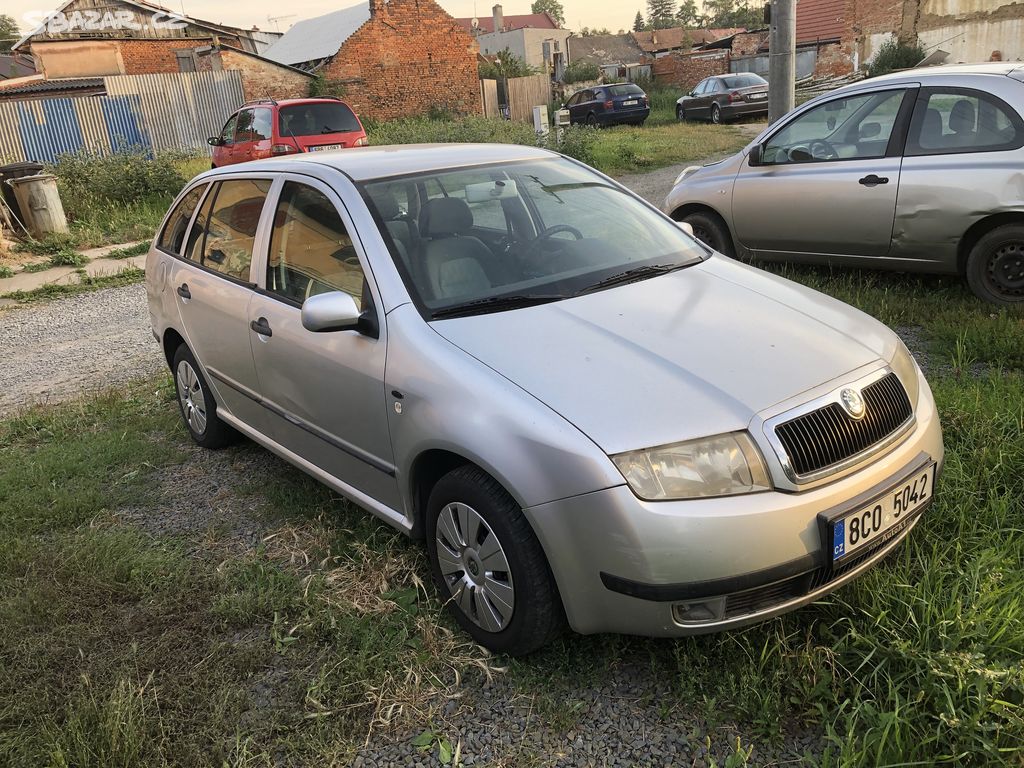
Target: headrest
<point x="961" y="119"/>
<point x="386" y="204"/>
<point x="445" y="216"/>
<point x="931" y="129"/>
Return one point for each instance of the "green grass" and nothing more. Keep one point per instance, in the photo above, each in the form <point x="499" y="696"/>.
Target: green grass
<point x="86" y="284"/>
<point x="128" y="252"/>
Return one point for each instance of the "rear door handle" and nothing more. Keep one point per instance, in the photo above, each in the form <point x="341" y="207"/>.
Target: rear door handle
<point x="184" y="292"/>
<point x="262" y="327"/>
<point x="871" y="180"/>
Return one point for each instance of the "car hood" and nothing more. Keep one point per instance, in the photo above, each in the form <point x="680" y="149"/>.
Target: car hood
<point x="690" y="354"/>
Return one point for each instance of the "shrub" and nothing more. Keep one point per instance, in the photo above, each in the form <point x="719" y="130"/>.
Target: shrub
<point x="87" y="180"/>
<point x="422" y="130"/>
<point x="581" y="72"/>
<point x="505" y="64"/>
<point x="895" y="54"/>
<point x="576" y="141"/>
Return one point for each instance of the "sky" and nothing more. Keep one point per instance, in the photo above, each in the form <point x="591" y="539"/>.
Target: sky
<point x="612" y="14"/>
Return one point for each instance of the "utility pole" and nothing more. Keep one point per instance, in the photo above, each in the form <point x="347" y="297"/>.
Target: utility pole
<point x="781" y="59"/>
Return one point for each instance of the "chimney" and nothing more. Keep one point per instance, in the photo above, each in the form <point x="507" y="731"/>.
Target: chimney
<point x="376" y="7"/>
<point x="499" y="18"/>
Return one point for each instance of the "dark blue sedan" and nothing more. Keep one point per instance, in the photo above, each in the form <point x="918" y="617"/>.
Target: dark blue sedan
<point x="609" y="105"/>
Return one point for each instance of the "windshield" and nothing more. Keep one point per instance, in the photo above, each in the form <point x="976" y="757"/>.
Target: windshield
<point x="496" y="237"/>
<point x="743" y="81"/>
<point x="317" y="118"/>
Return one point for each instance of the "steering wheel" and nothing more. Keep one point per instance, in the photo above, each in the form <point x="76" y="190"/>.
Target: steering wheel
<point x="827" y="151"/>
<point x="532" y="249"/>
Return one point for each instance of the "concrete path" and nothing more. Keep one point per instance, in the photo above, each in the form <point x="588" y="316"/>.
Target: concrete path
<point x="98" y="266"/>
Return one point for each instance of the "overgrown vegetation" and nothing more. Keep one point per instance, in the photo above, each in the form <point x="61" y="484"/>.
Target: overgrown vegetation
<point x="581" y="71"/>
<point x="504" y="64"/>
<point x="894" y="54"/>
<point x="86" y="284"/>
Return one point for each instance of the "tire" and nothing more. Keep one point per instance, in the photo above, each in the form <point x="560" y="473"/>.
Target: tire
<point x="196" y="403"/>
<point x="592" y="119"/>
<point x="516" y="611"/>
<point x="711" y="230"/>
<point x="680" y="114"/>
<point x="716" y="114"/>
<point x="995" y="266"/>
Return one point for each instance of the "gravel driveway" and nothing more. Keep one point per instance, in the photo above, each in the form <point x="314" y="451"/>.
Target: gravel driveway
<point x="60" y="349"/>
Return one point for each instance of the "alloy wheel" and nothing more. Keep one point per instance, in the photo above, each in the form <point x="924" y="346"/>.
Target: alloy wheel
<point x="193" y="400"/>
<point x="474" y="567"/>
<point x="716" y="114"/>
<point x="1006" y="270"/>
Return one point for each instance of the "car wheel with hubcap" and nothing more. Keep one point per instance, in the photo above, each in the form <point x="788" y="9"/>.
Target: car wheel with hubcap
<point x="995" y="267"/>
<point x="592" y="119"/>
<point x="680" y="114"/>
<point x="198" y="407"/>
<point x="716" y="114"/>
<point x="711" y="231"/>
<point x="488" y="564"/>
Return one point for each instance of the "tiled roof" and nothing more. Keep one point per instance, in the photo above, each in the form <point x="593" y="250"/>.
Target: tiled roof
<point x="485" y="24"/>
<point x="680" y="37"/>
<point x="34" y="86"/>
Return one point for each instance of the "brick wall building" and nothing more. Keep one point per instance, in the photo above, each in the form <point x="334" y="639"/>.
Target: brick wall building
<point x="261" y="78"/>
<point x="685" y="70"/>
<point x="390" y="59"/>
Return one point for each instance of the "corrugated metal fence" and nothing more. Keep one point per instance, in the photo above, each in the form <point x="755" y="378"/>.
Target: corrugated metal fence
<point x="157" y="112"/>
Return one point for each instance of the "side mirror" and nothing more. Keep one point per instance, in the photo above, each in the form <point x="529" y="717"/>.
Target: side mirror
<point x="334" y="311"/>
<point x="754" y="156"/>
<point x="214" y="141"/>
<point x="686" y="227"/>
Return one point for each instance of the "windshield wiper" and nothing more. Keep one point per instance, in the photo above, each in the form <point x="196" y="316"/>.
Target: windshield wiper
<point x="497" y="304"/>
<point x="631" y="276"/>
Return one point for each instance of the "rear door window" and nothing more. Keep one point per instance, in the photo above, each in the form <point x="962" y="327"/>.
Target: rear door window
<point x="317" y="118"/>
<point x="956" y="120"/>
<point x="225" y="231"/>
<point x="172" y="239"/>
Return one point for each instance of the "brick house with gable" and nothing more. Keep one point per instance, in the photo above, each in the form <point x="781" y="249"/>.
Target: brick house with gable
<point x="389" y="59"/>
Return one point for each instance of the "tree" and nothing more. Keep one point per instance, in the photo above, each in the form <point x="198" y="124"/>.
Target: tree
<point x="588" y="32"/>
<point x="638" y="23"/>
<point x="506" y="64"/>
<point x="552" y="8"/>
<point x="688" y="14"/>
<point x="661" y="14"/>
<point x="733" y="13"/>
<point x="9" y="33"/>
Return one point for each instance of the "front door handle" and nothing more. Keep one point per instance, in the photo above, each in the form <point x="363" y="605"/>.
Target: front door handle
<point x="184" y="292"/>
<point x="871" y="180"/>
<point x="262" y="327"/>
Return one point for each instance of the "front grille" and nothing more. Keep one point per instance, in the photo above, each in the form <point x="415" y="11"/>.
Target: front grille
<point x="829" y="436"/>
<point x="767" y="597"/>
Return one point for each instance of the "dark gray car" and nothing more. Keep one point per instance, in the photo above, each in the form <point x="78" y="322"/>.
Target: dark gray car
<point x="917" y="171"/>
<point x="725" y="97"/>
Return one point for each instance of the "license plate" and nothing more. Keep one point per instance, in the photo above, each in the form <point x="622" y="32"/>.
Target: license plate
<point x="756" y="96"/>
<point x="325" y="147"/>
<point x="630" y="103"/>
<point x="870" y="524"/>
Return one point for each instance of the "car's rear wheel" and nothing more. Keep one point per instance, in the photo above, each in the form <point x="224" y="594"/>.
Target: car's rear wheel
<point x="488" y="565"/>
<point x="592" y="119"/>
<point x="716" y="114"/>
<point x="995" y="266"/>
<point x="197" y="404"/>
<point x="711" y="230"/>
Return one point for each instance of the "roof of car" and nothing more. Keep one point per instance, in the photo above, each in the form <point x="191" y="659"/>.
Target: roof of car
<point x="945" y="70"/>
<point x="398" y="160"/>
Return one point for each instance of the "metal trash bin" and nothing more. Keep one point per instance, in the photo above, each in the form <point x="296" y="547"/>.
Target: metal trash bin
<point x="39" y="201"/>
<point x="16" y="171"/>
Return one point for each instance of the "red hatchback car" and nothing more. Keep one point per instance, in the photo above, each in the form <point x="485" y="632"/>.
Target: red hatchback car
<point x="269" y="128"/>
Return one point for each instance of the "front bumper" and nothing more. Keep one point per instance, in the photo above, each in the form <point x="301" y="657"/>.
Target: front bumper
<point x="630" y="566"/>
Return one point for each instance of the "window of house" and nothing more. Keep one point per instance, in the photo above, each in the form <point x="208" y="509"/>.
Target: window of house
<point x="225" y="230"/>
<point x="963" y="120"/>
<point x="186" y="61"/>
<point x="310" y="249"/>
<point x="173" y="237"/>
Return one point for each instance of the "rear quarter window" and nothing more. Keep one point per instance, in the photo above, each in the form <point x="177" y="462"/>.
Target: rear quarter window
<point x="172" y="239"/>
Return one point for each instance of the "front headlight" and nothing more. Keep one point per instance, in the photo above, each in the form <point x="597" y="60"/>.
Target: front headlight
<point x="906" y="369"/>
<point x="686" y="172"/>
<point x="715" y="466"/>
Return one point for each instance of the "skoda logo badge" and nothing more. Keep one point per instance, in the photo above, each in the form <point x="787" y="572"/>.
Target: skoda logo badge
<point x="852" y="403"/>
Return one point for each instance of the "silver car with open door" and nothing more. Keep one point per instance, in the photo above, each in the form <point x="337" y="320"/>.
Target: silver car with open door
<point x="588" y="416"/>
<point x="916" y="171"/>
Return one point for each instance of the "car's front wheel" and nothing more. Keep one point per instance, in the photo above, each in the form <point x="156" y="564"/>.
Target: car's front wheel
<point x="196" y="402"/>
<point x="680" y="113"/>
<point x="488" y="564"/>
<point x="711" y="231"/>
<point x="995" y="266"/>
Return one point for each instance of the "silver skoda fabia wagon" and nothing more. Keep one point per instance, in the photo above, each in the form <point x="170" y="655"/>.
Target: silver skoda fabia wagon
<point x="588" y="416"/>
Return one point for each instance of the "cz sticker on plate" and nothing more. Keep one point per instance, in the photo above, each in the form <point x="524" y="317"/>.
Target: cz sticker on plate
<point x="869" y="524"/>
